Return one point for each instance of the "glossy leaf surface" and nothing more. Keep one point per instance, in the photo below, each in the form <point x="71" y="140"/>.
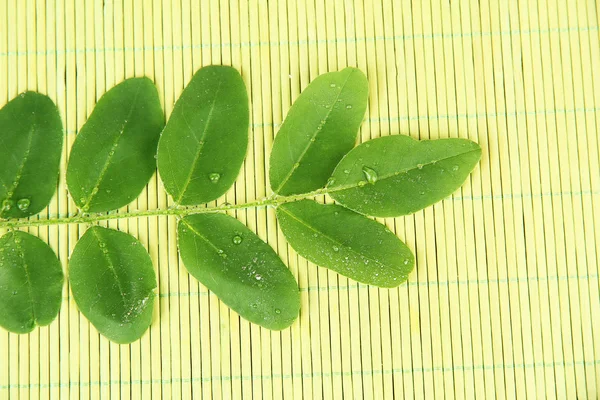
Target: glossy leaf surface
<point x="112" y="158"/>
<point x="204" y="143"/>
<point x="398" y="175"/>
<point x="320" y="128"/>
<point x="351" y="244"/>
<point x="31" y="138"/>
<point x="241" y="269"/>
<point x="31" y="282"/>
<point x="113" y="282"/>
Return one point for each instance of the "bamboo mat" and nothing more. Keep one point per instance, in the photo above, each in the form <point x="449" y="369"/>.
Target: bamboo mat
<point x="505" y="298"/>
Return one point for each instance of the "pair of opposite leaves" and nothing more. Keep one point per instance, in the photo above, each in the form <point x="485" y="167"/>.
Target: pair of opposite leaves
<point x="200" y="153"/>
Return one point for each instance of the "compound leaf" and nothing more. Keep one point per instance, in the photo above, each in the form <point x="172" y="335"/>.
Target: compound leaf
<point x="241" y="269"/>
<point x="113" y="282"/>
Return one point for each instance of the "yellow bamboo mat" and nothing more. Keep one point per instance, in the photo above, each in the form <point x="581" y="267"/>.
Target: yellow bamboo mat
<point x="505" y="298"/>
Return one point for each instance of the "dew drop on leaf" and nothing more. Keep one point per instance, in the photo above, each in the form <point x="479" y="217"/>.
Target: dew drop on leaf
<point x="332" y="85"/>
<point x="258" y="277"/>
<point x="420" y="166"/>
<point x="362" y="183"/>
<point x="336" y="249"/>
<point x="455" y="168"/>
<point x="346" y="171"/>
<point x="370" y="174"/>
<point x="277" y="311"/>
<point x="214" y="177"/>
<point x="406" y="261"/>
<point x="7" y="204"/>
<point x="330" y="181"/>
<point x="237" y="239"/>
<point x="349" y="106"/>
<point x="23" y="204"/>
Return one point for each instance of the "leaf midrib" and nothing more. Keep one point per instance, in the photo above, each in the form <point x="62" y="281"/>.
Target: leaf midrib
<point x="186" y="185"/>
<point x="406" y="170"/>
<point x="314" y="135"/>
<point x="27" y="277"/>
<point x="112" y="152"/>
<point x="191" y="227"/>
<point x="15" y="183"/>
<point x="337" y="242"/>
<point x="111" y="267"/>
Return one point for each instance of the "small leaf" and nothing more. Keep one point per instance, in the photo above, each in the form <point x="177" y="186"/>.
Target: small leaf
<point x="346" y="242"/>
<point x="31" y="281"/>
<point x="31" y="138"/>
<point x="398" y="175"/>
<point x="113" y="282"/>
<point x="112" y="158"/>
<point x="241" y="269"/>
<point x="204" y="143"/>
<point x="320" y="128"/>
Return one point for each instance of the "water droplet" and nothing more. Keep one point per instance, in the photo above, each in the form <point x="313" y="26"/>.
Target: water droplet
<point x="348" y="106"/>
<point x="406" y="261"/>
<point x="214" y="177"/>
<point x="277" y="311"/>
<point x="14" y="293"/>
<point x="370" y="174"/>
<point x="258" y="277"/>
<point x="422" y="193"/>
<point x="362" y="183"/>
<point x="327" y="106"/>
<point x="254" y="305"/>
<point x="22" y="95"/>
<point x="420" y="166"/>
<point x="346" y="171"/>
<point x="223" y="255"/>
<point x="336" y="249"/>
<point x="296" y="165"/>
<point x="7" y="204"/>
<point x="330" y="181"/>
<point x="95" y="191"/>
<point x="319" y="127"/>
<point x="332" y="85"/>
<point x="102" y="244"/>
<point x="237" y="239"/>
<point x="455" y="168"/>
<point x="17" y="239"/>
<point x="23" y="204"/>
<point x="313" y="140"/>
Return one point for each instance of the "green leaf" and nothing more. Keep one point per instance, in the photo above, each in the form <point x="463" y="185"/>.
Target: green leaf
<point x="31" y="281"/>
<point x="241" y="269"/>
<point x="320" y="128"/>
<point x="31" y="138"/>
<point x="346" y="242"/>
<point x="113" y="282"/>
<point x="398" y="175"/>
<point x="112" y="158"/>
<point x="204" y="143"/>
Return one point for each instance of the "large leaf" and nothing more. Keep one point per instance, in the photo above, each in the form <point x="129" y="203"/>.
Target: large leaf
<point x="241" y="269"/>
<point x="204" y="143"/>
<point x="398" y="175"/>
<point x="320" y="128"/>
<point x="31" y="281"/>
<point x="112" y="158"/>
<point x="31" y="137"/>
<point x="113" y="282"/>
<point x="349" y="243"/>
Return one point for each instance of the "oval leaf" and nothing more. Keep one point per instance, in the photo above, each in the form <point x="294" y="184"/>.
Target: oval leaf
<point x="31" y="281"/>
<point x="241" y="269"/>
<point x="320" y="128"/>
<point x="346" y="242"/>
<point x="398" y="175"/>
<point x="112" y="158"/>
<point x="113" y="282"/>
<point x="204" y="143"/>
<point x="31" y="138"/>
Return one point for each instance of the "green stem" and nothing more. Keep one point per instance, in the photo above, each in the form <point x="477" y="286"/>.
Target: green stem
<point x="177" y="211"/>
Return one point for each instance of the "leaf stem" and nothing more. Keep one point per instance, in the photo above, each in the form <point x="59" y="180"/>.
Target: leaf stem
<point x="179" y="211"/>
